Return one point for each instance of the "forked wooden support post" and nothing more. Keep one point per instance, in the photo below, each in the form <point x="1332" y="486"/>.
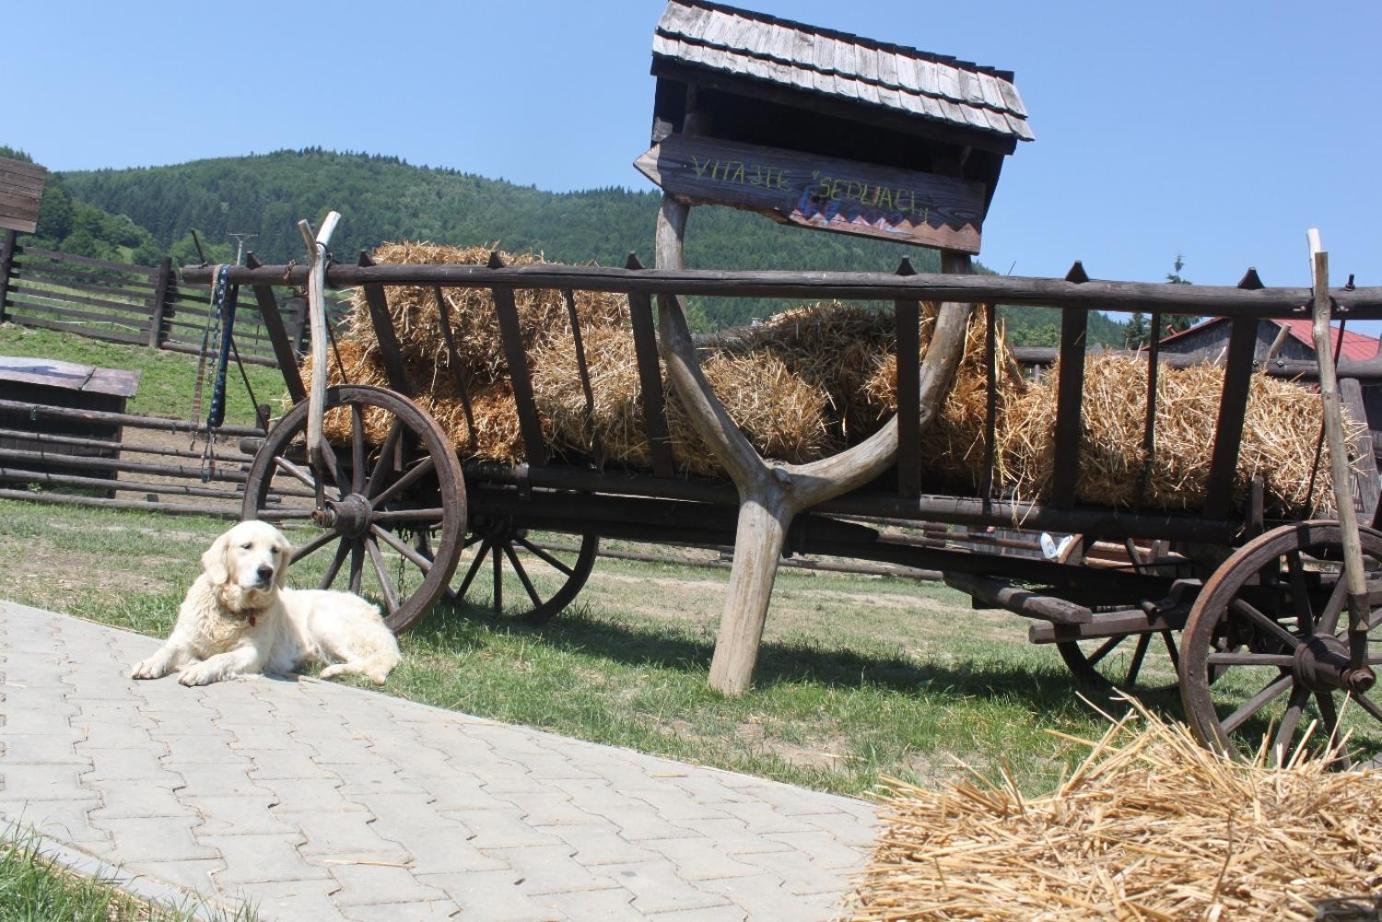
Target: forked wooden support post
<point x="771" y="494"/>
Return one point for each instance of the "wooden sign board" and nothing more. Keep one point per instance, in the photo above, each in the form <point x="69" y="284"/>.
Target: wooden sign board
<point x="906" y="206"/>
<point x="21" y="187"/>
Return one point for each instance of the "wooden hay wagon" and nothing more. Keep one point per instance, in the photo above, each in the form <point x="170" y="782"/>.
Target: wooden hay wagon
<point x="1273" y="617"/>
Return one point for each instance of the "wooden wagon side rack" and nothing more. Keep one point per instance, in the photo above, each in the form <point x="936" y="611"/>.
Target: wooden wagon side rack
<point x="1247" y="595"/>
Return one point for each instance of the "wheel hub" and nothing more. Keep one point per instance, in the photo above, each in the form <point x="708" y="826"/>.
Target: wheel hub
<point x="349" y="516"/>
<point x="1322" y="664"/>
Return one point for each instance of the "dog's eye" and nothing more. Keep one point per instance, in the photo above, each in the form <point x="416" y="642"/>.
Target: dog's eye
<point x="247" y="547"/>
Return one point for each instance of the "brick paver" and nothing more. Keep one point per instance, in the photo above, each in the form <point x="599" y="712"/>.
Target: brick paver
<point x="323" y="802"/>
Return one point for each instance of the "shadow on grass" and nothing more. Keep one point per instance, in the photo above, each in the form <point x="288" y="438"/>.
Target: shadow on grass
<point x="461" y="628"/>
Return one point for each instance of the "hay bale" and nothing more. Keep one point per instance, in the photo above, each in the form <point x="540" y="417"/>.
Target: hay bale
<point x="1280" y="435"/>
<point x="417" y="317"/>
<point x="495" y="436"/>
<point x="1150" y="826"/>
<point x="782" y="415"/>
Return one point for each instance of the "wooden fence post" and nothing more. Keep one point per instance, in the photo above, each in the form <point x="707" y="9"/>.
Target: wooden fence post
<point x="7" y="249"/>
<point x="162" y="290"/>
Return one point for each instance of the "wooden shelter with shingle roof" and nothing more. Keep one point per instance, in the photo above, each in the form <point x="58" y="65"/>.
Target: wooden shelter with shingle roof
<point x="825" y="129"/>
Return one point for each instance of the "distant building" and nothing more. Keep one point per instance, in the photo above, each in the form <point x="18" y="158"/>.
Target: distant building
<point x="1208" y="341"/>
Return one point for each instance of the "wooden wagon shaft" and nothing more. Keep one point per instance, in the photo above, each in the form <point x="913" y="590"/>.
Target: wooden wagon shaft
<point x="770" y="495"/>
<point x="1216" y="300"/>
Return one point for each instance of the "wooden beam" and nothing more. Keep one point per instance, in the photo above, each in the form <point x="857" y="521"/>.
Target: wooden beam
<point x="997" y="593"/>
<point x="650" y="379"/>
<point x="7" y="251"/>
<point x="512" y="336"/>
<point x="284" y="353"/>
<point x="907" y="316"/>
<point x="163" y="281"/>
<point x="1065" y="477"/>
<point x="1365" y="465"/>
<point x="390" y="352"/>
<point x="1220" y="301"/>
<point x="1233" y="407"/>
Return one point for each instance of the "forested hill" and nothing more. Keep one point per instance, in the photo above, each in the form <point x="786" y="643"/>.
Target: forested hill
<point x="384" y="198"/>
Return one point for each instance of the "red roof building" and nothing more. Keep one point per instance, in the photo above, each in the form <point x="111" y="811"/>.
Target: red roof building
<point x="1206" y="340"/>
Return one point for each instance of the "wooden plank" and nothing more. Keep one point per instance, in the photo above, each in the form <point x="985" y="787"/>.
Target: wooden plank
<point x="187" y="348"/>
<point x="18" y="212"/>
<point x="24" y="287"/>
<point x="512" y="336"/>
<point x="89" y="332"/>
<point x="1065" y="477"/>
<point x="22" y="169"/>
<point x="825" y="193"/>
<point x="390" y="353"/>
<point x="72" y="376"/>
<point x="1149" y="420"/>
<point x="278" y="336"/>
<point x="1362" y="303"/>
<point x="21" y="189"/>
<point x="1233" y="407"/>
<point x="650" y="381"/>
<point x="145" y="272"/>
<point x="907" y="316"/>
<point x="1025" y="602"/>
<point x="21" y="307"/>
<point x="7" y="253"/>
<point x="990" y="397"/>
<point x="162" y="282"/>
<point x="1365" y="467"/>
<point x="71" y="277"/>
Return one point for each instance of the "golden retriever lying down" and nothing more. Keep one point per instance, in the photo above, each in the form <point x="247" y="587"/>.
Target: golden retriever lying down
<point x="240" y="619"/>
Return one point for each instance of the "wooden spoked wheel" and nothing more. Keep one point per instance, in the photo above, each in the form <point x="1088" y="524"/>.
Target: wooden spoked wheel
<point x="393" y="514"/>
<point x="523" y="574"/>
<point x="1107" y="663"/>
<point x="1272" y="623"/>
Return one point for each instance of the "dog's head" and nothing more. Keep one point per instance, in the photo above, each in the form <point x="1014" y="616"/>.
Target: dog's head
<point x="249" y="562"/>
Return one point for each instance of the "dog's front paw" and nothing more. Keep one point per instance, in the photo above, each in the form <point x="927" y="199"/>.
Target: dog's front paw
<point x="197" y="674"/>
<point x="155" y="667"/>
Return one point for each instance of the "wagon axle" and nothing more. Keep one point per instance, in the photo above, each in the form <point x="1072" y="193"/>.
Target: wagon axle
<point x="1322" y="663"/>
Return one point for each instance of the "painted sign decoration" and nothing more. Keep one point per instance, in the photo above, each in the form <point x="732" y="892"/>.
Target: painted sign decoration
<point x="21" y="187"/>
<point x="830" y="194"/>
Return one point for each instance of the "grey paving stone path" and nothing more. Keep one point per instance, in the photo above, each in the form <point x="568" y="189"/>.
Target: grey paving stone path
<point x="321" y="802"/>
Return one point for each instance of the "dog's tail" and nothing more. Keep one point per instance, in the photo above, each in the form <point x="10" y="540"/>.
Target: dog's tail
<point x="375" y="667"/>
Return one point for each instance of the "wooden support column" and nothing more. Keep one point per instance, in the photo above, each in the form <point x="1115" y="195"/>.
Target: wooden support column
<point x="390" y="352"/>
<point x="907" y="317"/>
<point x="650" y="379"/>
<point x="771" y="493"/>
<point x="163" y="288"/>
<point x="284" y="353"/>
<point x="1069" y="396"/>
<point x="1233" y="408"/>
<point x="529" y="425"/>
<point x="1365" y="463"/>
<point x="8" y="246"/>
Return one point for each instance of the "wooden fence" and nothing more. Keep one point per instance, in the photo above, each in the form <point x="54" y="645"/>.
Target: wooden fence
<point x="123" y="303"/>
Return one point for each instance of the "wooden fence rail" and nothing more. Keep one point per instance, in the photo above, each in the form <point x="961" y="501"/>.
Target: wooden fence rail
<point x="124" y="303"/>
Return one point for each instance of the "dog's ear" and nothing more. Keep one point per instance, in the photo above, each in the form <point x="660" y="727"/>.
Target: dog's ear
<point x="285" y="557"/>
<point x="215" y="562"/>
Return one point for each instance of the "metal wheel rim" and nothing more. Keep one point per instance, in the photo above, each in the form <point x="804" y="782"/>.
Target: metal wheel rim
<point x="445" y="474"/>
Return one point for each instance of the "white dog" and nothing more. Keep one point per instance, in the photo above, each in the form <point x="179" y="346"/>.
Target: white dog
<point x="239" y="618"/>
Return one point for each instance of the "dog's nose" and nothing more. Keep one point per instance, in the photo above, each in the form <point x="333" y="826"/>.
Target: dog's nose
<point x="265" y="573"/>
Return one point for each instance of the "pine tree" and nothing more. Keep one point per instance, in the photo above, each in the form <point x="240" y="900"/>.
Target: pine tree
<point x="1137" y="333"/>
<point x="1177" y="322"/>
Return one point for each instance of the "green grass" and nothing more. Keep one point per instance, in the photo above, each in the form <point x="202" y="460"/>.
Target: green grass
<point x="34" y="889"/>
<point x="167" y="380"/>
<point x="858" y="678"/>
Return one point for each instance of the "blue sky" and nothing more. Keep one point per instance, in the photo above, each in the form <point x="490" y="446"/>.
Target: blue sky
<point x="1216" y="130"/>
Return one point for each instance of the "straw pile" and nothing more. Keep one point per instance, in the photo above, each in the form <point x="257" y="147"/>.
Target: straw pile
<point x="1150" y="826"/>
<point x="815" y="379"/>
<point x="1280" y="432"/>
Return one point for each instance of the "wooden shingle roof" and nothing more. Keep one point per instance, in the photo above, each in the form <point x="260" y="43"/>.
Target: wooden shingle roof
<point x="802" y="57"/>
